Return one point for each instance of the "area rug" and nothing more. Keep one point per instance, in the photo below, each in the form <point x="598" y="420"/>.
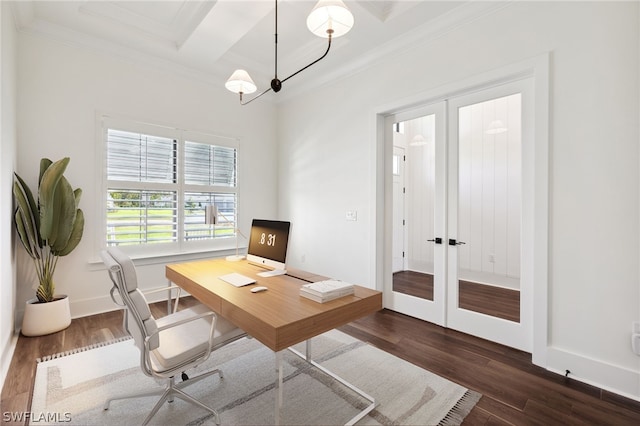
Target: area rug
<point x="71" y="388"/>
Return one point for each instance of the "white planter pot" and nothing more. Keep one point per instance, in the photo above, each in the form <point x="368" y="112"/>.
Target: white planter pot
<point x="46" y="318"/>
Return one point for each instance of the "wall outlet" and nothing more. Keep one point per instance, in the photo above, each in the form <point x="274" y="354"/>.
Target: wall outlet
<point x="352" y="215"/>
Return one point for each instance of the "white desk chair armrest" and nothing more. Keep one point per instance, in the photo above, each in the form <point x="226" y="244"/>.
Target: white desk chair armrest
<point x="186" y="320"/>
<point x="114" y="289"/>
<point x="178" y="323"/>
<point x="168" y="288"/>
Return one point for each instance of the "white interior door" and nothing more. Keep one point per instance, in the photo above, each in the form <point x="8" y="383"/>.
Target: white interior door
<point x="418" y="212"/>
<point x="490" y="179"/>
<point x="467" y="209"/>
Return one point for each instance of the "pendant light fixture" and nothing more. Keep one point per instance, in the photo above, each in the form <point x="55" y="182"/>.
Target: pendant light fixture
<point x="496" y="127"/>
<point x="329" y="18"/>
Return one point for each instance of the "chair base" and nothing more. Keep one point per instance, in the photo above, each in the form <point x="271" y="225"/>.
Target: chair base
<point x="168" y="393"/>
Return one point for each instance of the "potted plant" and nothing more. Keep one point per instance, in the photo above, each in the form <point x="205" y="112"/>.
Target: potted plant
<point x="48" y="227"/>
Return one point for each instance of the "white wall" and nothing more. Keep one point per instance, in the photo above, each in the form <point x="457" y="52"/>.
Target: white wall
<point x="8" y="40"/>
<point x="328" y="149"/>
<point x="61" y="90"/>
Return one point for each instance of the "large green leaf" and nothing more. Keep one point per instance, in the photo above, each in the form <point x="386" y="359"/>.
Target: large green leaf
<point x="27" y="216"/>
<point x="64" y="216"/>
<point x="24" y="235"/>
<point x="47" y="194"/>
<point x="77" y="194"/>
<point x="76" y="234"/>
<point x="44" y="165"/>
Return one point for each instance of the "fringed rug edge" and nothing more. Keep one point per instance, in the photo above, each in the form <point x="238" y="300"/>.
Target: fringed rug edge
<point x="82" y="349"/>
<point x="463" y="407"/>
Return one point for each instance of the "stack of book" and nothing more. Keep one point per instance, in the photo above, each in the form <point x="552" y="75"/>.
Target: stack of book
<point x="323" y="291"/>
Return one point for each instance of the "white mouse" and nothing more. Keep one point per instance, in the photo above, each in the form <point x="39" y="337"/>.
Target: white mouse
<point x="257" y="289"/>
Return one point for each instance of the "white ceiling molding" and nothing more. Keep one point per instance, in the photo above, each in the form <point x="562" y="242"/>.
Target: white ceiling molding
<point x="384" y="9"/>
<point x="66" y="36"/>
<point x="171" y="21"/>
<point x="23" y="13"/>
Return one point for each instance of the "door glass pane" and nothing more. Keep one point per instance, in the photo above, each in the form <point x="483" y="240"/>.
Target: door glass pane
<point x="398" y="249"/>
<point x="489" y="207"/>
<point x="418" y="141"/>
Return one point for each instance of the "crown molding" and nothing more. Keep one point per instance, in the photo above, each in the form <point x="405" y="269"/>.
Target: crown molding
<point x="65" y="36"/>
<point x="175" y="29"/>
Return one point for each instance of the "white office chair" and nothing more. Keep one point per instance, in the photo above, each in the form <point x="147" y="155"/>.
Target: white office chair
<point x="168" y="345"/>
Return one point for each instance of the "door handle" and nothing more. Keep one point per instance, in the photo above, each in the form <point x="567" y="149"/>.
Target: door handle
<point x="437" y="240"/>
<point x="453" y="242"/>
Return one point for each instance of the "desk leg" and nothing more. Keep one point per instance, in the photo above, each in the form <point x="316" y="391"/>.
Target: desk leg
<point x="169" y="298"/>
<point x="365" y="411"/>
<point x="279" y="379"/>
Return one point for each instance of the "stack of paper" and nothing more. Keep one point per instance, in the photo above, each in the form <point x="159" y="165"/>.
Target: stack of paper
<point x="323" y="291"/>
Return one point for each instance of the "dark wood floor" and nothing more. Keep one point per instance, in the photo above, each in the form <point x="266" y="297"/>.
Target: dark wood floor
<point x="495" y="301"/>
<point x="514" y="391"/>
<point x="413" y="283"/>
<point x="87" y="331"/>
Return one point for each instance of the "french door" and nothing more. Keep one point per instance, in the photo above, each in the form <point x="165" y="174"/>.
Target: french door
<point x="419" y="208"/>
<point x="468" y="185"/>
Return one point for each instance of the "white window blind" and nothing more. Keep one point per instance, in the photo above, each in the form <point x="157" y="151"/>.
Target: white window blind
<point x="209" y="165"/>
<point x="141" y="158"/>
<point x="141" y="217"/>
<point x="158" y="188"/>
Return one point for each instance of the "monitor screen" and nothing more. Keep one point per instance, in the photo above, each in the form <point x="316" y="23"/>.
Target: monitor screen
<point x="268" y="243"/>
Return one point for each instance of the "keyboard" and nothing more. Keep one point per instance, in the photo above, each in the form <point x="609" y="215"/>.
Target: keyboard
<point x="237" y="280"/>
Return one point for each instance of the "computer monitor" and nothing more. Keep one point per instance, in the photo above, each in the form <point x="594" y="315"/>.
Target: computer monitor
<point x="268" y="243"/>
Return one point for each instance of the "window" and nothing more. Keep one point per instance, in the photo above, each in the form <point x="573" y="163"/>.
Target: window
<point x="158" y="183"/>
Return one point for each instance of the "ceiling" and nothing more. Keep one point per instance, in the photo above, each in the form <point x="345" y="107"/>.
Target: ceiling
<point x="209" y="39"/>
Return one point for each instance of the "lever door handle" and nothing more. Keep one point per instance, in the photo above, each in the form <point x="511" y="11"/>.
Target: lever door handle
<point x="437" y="240"/>
<point x="453" y="242"/>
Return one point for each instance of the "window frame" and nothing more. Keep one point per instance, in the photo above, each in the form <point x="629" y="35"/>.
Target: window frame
<point x="181" y="246"/>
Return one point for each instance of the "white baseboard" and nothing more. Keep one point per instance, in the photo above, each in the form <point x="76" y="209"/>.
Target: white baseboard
<point x="79" y="308"/>
<point x="6" y="357"/>
<point x="97" y="305"/>
<point x="612" y="378"/>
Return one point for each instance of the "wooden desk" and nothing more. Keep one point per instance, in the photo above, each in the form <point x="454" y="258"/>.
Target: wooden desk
<point x="279" y="317"/>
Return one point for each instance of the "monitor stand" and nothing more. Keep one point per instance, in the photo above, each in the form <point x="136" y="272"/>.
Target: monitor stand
<point x="234" y="258"/>
<point x="272" y="273"/>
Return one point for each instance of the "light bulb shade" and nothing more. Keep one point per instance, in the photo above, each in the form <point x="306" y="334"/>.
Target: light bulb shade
<point x="240" y="82"/>
<point x="418" y="140"/>
<point x="496" y="127"/>
<point x="330" y="14"/>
